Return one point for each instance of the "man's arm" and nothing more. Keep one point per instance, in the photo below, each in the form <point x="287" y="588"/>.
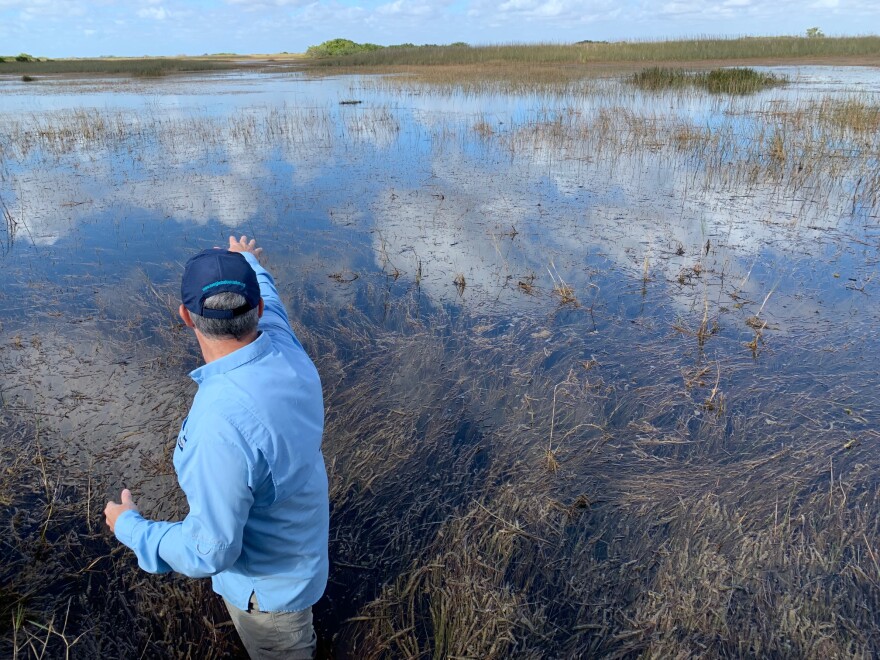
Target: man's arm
<point x="214" y="475"/>
<point x="274" y="317"/>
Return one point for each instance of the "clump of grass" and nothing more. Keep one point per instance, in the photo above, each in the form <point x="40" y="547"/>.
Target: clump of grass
<point x="740" y="80"/>
<point x="858" y="114"/>
<point x="483" y="129"/>
<point x="777" y="152"/>
<point x="565" y="293"/>
<point x="460" y="283"/>
<point x="561" y="288"/>
<point x="716" y="81"/>
<point x="659" y="78"/>
<point x="527" y="284"/>
<point x="149" y="72"/>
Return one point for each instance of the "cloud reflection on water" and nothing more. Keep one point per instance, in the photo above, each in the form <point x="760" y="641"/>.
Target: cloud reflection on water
<point x="443" y="197"/>
<point x="498" y="222"/>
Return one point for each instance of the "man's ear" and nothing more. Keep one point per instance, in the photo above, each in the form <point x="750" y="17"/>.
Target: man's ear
<point x="260" y="313"/>
<point x="187" y="319"/>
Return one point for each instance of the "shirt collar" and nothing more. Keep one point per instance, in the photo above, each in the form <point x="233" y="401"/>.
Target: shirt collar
<point x="234" y="360"/>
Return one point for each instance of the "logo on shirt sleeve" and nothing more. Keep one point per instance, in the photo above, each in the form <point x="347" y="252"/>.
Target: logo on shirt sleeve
<point x="181" y="437"/>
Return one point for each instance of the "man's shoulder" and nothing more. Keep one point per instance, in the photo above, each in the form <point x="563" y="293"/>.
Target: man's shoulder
<point x="220" y="402"/>
<point x="210" y="427"/>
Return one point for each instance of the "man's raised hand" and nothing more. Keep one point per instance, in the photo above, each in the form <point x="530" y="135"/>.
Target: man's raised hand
<point x="244" y="245"/>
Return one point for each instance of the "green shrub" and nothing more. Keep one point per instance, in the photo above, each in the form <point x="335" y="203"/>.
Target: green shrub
<point x="340" y="48"/>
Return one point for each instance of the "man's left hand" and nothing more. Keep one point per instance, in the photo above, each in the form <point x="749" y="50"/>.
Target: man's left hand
<point x="113" y="510"/>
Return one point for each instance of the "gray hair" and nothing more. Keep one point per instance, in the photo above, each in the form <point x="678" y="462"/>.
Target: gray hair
<point x="237" y="327"/>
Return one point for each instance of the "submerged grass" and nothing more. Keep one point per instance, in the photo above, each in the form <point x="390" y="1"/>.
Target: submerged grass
<point x="637" y="541"/>
<point x="716" y="81"/>
<point x="654" y="531"/>
<point x="66" y="588"/>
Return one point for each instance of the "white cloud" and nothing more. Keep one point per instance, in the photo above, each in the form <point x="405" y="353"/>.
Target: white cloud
<point x="680" y="8"/>
<point x="403" y="8"/>
<point x="157" y="13"/>
<point x="563" y="13"/>
<point x="264" y="5"/>
<point x="333" y="18"/>
<point x="51" y="9"/>
<point x="789" y="13"/>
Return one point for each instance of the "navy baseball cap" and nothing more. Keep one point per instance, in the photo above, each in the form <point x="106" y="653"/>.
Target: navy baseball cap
<point x="215" y="271"/>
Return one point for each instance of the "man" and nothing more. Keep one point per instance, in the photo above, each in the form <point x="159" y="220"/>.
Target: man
<point x="248" y="458"/>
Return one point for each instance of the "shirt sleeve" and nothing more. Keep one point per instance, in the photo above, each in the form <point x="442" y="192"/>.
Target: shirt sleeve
<point x="214" y="475"/>
<point x="274" y="320"/>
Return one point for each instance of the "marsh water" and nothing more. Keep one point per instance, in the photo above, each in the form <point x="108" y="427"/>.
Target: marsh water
<point x="399" y="194"/>
<point x="607" y="285"/>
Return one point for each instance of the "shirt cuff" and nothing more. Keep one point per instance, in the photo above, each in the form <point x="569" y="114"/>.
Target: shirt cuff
<point x="254" y="262"/>
<point x="126" y="526"/>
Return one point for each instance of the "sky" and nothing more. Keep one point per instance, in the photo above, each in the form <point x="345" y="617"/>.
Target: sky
<point x="85" y="28"/>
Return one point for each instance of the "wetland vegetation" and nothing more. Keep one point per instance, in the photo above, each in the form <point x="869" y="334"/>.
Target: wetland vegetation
<point x="589" y="52"/>
<point x="146" y="67"/>
<point x="736" y="80"/>
<point x="597" y="359"/>
<point x="547" y="62"/>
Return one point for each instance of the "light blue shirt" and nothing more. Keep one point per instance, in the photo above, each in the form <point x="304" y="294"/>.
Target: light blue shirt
<point x="248" y="458"/>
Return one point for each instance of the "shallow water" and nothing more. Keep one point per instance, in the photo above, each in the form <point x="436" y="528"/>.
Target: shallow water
<point x="518" y="241"/>
<point x="401" y="180"/>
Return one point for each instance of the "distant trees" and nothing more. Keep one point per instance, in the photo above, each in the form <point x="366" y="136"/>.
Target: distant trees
<point x="814" y="33"/>
<point x="21" y="57"/>
<point x="342" y="47"/>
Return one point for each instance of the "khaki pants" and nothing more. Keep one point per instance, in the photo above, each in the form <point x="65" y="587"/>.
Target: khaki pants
<point x="274" y="635"/>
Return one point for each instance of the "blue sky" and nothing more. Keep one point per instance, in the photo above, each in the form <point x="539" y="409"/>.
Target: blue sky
<point x="79" y="28"/>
